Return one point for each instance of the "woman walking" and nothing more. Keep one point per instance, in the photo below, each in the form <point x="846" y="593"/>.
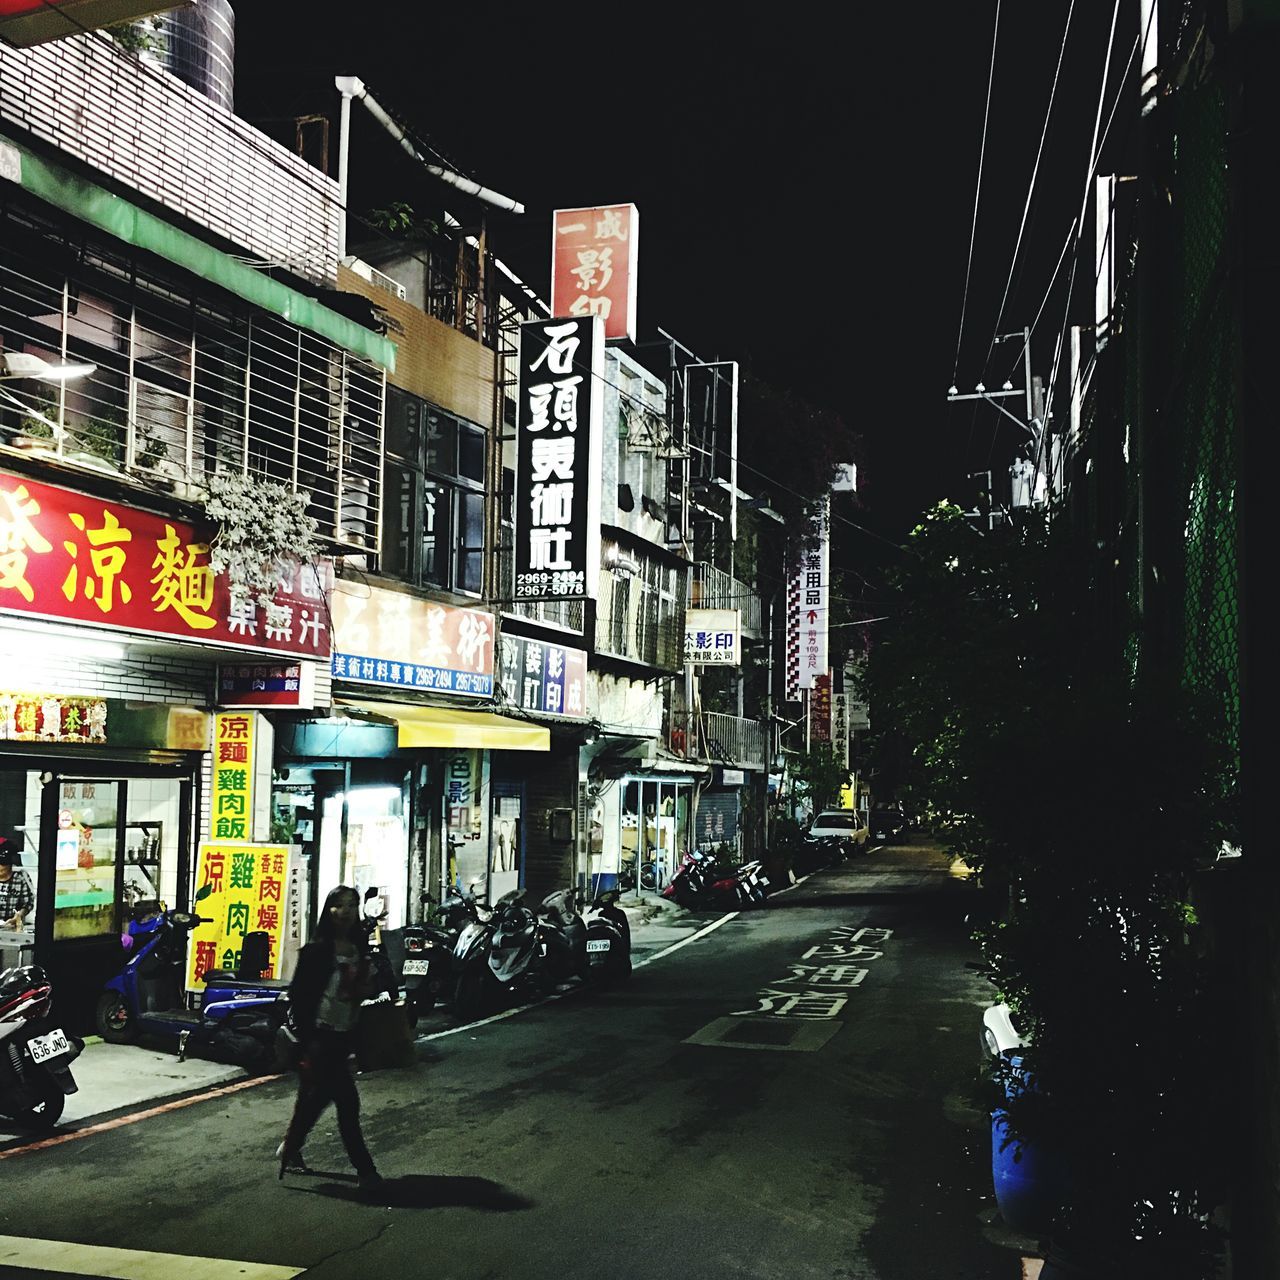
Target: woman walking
<point x="334" y="974"/>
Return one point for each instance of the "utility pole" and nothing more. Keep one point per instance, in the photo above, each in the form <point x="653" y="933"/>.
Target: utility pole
<point x="1031" y="423"/>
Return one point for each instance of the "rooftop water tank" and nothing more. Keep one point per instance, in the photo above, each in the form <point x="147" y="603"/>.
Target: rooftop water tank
<point x="197" y="44"/>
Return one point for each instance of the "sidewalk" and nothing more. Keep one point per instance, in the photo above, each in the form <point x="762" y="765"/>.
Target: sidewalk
<point x="115" y="1077"/>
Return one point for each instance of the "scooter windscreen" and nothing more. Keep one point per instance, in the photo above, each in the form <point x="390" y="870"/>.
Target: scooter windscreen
<point x="513" y="944"/>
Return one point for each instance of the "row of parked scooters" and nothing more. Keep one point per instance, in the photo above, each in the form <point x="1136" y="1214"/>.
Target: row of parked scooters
<point x="476" y="957"/>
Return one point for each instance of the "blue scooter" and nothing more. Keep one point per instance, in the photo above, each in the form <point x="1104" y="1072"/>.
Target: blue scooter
<point x="235" y="1017"/>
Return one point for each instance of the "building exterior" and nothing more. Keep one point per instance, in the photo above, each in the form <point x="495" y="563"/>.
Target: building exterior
<point x="130" y="272"/>
<point x="174" y="312"/>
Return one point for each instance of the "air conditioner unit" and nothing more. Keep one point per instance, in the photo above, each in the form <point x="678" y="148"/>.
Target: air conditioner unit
<point x="377" y="278"/>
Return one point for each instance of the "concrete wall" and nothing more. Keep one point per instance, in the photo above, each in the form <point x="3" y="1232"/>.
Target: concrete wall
<point x="433" y="359"/>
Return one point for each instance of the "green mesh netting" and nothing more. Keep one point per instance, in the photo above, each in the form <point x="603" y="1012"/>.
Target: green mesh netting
<point x="1203" y="405"/>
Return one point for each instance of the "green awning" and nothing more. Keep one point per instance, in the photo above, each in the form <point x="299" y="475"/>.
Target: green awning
<point x="117" y="217"/>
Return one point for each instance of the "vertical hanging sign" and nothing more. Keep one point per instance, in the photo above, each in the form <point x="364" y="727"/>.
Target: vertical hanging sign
<point x="594" y="265"/>
<point x="231" y="797"/>
<point x="807" y="600"/>
<point x="840" y="727"/>
<point x="820" y="708"/>
<point x="558" y="459"/>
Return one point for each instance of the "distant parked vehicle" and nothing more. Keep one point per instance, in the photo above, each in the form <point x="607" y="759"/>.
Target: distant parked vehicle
<point x="845" y="825"/>
<point x="887" y="824"/>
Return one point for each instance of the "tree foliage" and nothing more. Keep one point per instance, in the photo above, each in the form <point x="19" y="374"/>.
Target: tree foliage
<point x="1089" y="799"/>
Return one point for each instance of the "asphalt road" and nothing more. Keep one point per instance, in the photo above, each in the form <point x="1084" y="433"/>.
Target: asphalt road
<point x="789" y="1095"/>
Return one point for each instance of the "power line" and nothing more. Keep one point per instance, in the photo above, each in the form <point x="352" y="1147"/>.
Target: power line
<point x="973" y="230"/>
<point x="1035" y="169"/>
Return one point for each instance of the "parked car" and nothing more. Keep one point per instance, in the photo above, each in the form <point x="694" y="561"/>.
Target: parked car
<point x="840" y="824"/>
<point x="887" y="824"/>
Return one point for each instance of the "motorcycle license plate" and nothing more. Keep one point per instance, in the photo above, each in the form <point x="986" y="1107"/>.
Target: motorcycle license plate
<point x="415" y="968"/>
<point x="597" y="944"/>
<point x="51" y="1046"/>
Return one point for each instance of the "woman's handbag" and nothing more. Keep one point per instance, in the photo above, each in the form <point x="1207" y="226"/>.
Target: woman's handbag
<point x="383" y="1038"/>
<point x="288" y="1048"/>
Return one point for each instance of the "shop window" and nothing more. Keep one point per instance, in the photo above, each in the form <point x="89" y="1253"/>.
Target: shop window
<point x="374" y="853"/>
<point x="434" y="519"/>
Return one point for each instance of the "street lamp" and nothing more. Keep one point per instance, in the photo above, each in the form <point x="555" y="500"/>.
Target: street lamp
<point x="21" y="364"/>
<point x="17" y="365"/>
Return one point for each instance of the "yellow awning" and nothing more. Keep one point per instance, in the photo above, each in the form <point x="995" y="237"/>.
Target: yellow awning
<point x="423" y="726"/>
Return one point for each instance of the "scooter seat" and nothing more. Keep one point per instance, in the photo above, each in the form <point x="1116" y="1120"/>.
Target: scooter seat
<point x="171" y="1017"/>
<point x="229" y="978"/>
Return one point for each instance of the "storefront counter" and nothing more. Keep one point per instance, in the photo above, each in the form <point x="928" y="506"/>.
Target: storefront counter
<point x="16" y="947"/>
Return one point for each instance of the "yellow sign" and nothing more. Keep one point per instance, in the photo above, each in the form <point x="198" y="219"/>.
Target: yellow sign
<point x="231" y="800"/>
<point x="241" y="889"/>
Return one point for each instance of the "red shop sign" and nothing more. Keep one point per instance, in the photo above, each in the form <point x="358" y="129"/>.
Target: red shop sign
<point x="67" y="556"/>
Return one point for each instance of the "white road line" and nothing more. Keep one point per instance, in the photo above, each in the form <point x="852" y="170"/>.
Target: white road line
<point x="684" y="942"/>
<point x="130" y="1264"/>
<point x="559" y="995"/>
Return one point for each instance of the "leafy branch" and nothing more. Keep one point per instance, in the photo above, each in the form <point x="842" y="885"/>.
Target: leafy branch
<point x="263" y="531"/>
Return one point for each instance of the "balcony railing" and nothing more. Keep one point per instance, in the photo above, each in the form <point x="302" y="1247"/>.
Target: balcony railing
<point x="715" y="738"/>
<point x="712" y="588"/>
<point x="185" y="384"/>
<point x="148" y="130"/>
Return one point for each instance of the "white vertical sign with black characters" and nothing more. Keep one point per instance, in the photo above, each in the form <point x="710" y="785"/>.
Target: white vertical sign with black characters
<point x="558" y="459"/>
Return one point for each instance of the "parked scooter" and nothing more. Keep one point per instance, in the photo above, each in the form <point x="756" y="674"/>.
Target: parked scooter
<point x="608" y="939"/>
<point x="526" y="953"/>
<point x="35" y="1052"/>
<point x="236" y="1015"/>
<point x="427" y="971"/>
<point x="700" y="882"/>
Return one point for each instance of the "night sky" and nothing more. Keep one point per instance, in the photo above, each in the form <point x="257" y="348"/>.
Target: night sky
<point x="805" y="178"/>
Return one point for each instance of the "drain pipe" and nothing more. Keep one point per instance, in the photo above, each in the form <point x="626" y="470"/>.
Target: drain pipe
<point x="352" y="87"/>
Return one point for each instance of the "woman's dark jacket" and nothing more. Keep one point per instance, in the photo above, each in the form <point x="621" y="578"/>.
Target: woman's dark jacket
<point x="316" y="963"/>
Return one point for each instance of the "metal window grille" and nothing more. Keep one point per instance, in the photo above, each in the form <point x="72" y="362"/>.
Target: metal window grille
<point x="188" y="384"/>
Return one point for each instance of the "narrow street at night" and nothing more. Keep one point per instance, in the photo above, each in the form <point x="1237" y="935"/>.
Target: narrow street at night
<point x="788" y="1094"/>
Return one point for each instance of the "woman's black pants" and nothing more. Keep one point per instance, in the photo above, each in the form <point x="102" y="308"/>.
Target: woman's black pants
<point x="325" y="1077"/>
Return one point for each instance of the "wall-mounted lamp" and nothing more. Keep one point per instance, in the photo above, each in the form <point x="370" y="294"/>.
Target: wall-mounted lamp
<point x="21" y="364"/>
<point x="619" y="563"/>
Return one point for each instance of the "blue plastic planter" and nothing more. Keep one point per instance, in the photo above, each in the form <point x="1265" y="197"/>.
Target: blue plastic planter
<point x="1028" y="1180"/>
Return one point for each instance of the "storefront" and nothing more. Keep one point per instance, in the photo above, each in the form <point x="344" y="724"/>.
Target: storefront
<point x="642" y="806"/>
<point x="395" y="789"/>
<point x="110" y="669"/>
<point x="536" y="839"/>
<point x="97" y="830"/>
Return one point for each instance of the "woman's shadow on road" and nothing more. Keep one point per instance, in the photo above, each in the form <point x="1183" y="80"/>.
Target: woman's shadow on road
<point x="415" y="1191"/>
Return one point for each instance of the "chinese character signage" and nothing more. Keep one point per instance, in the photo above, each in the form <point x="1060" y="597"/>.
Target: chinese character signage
<point x="52" y="717"/>
<point x="807" y="609"/>
<point x="65" y="555"/>
<point x="820" y="708"/>
<point x="546" y="678"/>
<point x="712" y="637"/>
<point x="399" y="641"/>
<point x="840" y="726"/>
<point x="231" y="799"/>
<point x="594" y="265"/>
<point x="95" y="722"/>
<point x="266" y="685"/>
<point x="558" y="463"/>
<point x="241" y="888"/>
